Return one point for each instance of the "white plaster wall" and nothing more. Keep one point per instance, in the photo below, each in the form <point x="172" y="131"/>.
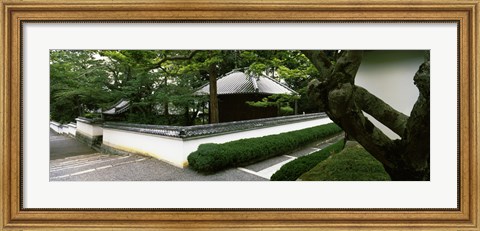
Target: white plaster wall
<point x="64" y="129"/>
<point x="97" y="130"/>
<point x="176" y="150"/>
<point x="389" y="76"/>
<point x="72" y="129"/>
<point x="55" y="126"/>
<point x="164" y="148"/>
<point x="84" y="128"/>
<point x="89" y="130"/>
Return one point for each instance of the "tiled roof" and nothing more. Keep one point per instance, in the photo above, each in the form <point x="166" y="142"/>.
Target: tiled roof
<point x="209" y="129"/>
<point x="120" y="107"/>
<point x="241" y="83"/>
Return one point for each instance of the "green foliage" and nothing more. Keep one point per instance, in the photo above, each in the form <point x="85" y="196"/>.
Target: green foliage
<point x="263" y="103"/>
<point x="87" y="80"/>
<point x="305" y="104"/>
<point x="289" y="66"/>
<point x="286" y="110"/>
<point x="282" y="102"/>
<point x="295" y="168"/>
<point x="76" y="81"/>
<point x="161" y="88"/>
<point x="92" y="115"/>
<point x="211" y="158"/>
<point x="351" y="164"/>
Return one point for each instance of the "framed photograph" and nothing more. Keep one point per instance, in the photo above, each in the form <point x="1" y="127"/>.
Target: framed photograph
<point x="256" y="115"/>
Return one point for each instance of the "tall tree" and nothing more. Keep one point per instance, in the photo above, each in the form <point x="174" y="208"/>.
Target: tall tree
<point x="153" y="81"/>
<point x="76" y="84"/>
<point x="290" y="67"/>
<point x="210" y="64"/>
<point x="334" y="91"/>
<point x="133" y="79"/>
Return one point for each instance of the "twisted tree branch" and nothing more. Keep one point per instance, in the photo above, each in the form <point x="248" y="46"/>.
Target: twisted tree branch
<point x="172" y="58"/>
<point x="321" y="62"/>
<point x="380" y="110"/>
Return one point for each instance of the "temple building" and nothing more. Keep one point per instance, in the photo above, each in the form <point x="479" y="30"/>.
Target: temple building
<point x="236" y="88"/>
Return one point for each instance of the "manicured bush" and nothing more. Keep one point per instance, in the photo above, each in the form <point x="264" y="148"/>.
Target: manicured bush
<point x="353" y="163"/>
<point x="211" y="158"/>
<point x="295" y="168"/>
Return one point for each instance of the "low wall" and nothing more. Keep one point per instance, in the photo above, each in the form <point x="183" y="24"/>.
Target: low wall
<point x="56" y="126"/>
<point x="68" y="129"/>
<point x="173" y="144"/>
<point x="89" y="131"/>
<point x="72" y="129"/>
<point x="64" y="129"/>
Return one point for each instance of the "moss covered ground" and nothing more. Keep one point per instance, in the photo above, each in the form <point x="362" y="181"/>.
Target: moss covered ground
<point x="353" y="163"/>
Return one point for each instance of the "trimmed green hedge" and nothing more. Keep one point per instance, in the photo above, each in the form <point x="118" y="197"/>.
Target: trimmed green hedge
<point x="353" y="163"/>
<point x="210" y="158"/>
<point x="295" y="168"/>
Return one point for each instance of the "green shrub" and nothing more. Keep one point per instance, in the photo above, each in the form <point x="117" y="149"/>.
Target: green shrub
<point x="211" y="158"/>
<point x="295" y="168"/>
<point x="92" y="115"/>
<point x="286" y="110"/>
<point x="353" y="163"/>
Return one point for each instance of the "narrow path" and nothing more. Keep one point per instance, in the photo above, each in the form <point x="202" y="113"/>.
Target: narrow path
<point x="62" y="146"/>
<point x="267" y="168"/>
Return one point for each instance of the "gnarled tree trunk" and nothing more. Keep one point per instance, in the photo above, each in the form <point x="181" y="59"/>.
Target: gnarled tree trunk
<point x="407" y="158"/>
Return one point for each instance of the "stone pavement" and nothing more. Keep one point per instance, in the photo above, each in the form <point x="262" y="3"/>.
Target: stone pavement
<point x="63" y="146"/>
<point x="73" y="161"/>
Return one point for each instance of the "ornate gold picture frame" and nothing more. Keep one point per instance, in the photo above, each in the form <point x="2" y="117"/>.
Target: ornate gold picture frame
<point x="15" y="12"/>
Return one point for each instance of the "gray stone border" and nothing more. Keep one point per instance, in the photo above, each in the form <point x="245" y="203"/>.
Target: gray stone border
<point x="115" y="151"/>
<point x="91" y="142"/>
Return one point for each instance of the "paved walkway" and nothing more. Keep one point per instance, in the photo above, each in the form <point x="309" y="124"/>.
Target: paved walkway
<point x="63" y="146"/>
<point x="267" y="168"/>
<point x="73" y="161"/>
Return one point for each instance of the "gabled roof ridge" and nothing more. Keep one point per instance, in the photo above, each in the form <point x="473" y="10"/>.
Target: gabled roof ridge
<point x="113" y="109"/>
<point x="119" y="102"/>
<point x="281" y="84"/>
<point x="221" y="77"/>
<point x="234" y="85"/>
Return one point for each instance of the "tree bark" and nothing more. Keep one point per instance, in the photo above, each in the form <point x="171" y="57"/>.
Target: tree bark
<point x="174" y="58"/>
<point x="212" y="73"/>
<point x="380" y="110"/>
<point x="166" y="112"/>
<point x="404" y="159"/>
<point x="414" y="148"/>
